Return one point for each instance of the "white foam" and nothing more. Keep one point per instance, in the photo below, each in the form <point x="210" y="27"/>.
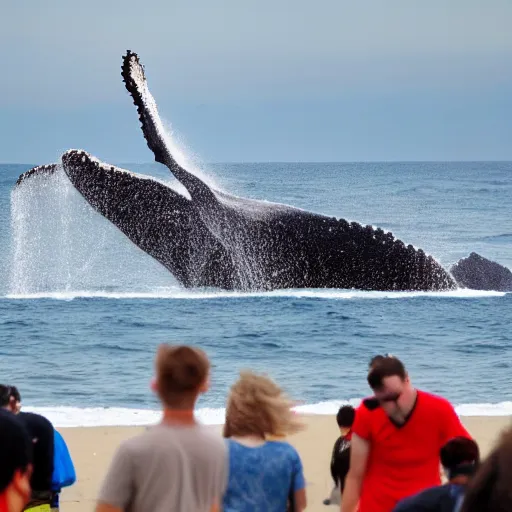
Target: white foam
<point x="117" y="416"/>
<point x="176" y="292"/>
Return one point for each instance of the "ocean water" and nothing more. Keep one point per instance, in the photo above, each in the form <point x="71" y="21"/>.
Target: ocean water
<point x="82" y="309"/>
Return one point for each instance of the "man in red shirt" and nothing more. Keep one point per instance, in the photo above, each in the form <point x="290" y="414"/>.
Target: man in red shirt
<point x="396" y="440"/>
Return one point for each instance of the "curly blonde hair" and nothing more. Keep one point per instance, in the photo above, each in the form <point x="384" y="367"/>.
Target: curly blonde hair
<point x="257" y="406"/>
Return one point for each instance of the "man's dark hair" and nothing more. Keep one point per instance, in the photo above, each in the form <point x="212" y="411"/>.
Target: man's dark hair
<point x="15" y="448"/>
<point x="8" y="392"/>
<point x="346" y="416"/>
<point x="385" y="366"/>
<point x="5" y="395"/>
<point x="15" y="393"/>
<point x="459" y="451"/>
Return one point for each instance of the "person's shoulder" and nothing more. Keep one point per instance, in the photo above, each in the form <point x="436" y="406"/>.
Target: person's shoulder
<point x="33" y="419"/>
<point x="435" y="401"/>
<point x="369" y="408"/>
<point x="282" y="446"/>
<point x="428" y="499"/>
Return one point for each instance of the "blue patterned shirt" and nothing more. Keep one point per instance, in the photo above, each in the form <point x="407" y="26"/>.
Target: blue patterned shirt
<point x="260" y="478"/>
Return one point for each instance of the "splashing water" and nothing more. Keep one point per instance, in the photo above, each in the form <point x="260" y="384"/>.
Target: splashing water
<point x="60" y="244"/>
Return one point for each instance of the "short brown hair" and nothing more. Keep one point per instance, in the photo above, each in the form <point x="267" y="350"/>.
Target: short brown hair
<point x="180" y="371"/>
<point x="386" y="366"/>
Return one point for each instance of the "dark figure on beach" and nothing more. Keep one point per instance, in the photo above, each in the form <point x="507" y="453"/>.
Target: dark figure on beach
<point x="340" y="458"/>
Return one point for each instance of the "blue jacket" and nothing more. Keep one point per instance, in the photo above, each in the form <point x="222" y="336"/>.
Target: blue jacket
<point x="63" y="470"/>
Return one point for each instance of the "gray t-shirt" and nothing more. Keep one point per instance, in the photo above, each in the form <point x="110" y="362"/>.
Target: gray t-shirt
<point x="178" y="468"/>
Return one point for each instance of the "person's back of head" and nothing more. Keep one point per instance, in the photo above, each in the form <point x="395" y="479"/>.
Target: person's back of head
<point x="490" y="488"/>
<point x="41" y="432"/>
<point x="257" y="406"/>
<point x="181" y="374"/>
<point x="15" y="466"/>
<point x="345" y="417"/>
<point x="460" y="457"/>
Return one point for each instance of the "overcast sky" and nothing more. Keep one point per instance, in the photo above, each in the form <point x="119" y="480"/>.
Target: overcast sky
<point x="261" y="81"/>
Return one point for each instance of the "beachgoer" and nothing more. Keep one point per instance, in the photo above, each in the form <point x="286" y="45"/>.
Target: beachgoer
<point x="460" y="458"/>
<point x="396" y="439"/>
<point x="340" y="458"/>
<point x="264" y="475"/>
<point x="15" y="465"/>
<point x="490" y="488"/>
<point x="178" y="464"/>
<point x="40" y="430"/>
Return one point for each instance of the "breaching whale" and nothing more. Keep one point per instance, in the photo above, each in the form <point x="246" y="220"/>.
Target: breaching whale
<point x="221" y="240"/>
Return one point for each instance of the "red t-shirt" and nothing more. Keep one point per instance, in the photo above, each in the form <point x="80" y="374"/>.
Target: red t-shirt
<point x="404" y="460"/>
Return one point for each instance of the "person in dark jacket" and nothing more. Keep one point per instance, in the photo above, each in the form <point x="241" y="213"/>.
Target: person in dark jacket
<point x="40" y="430"/>
<point x="460" y="458"/>
<point x="340" y="458"/>
<point x="16" y="463"/>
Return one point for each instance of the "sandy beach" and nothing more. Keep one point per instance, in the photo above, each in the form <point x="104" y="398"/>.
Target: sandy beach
<point x="92" y="449"/>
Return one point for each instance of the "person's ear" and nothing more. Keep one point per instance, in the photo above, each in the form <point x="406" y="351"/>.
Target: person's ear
<point x="154" y="385"/>
<point x="21" y="482"/>
<point x="205" y="385"/>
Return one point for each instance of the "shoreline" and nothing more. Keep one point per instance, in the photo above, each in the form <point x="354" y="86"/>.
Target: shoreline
<point x="92" y="449"/>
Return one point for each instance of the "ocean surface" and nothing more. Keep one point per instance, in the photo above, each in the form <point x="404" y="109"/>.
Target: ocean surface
<point x="82" y="309"/>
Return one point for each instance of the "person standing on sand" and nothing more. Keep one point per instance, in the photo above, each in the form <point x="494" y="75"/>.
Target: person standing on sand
<point x="178" y="464"/>
<point x="340" y="458"/>
<point x="15" y="465"/>
<point x="396" y="440"/>
<point x="265" y="472"/>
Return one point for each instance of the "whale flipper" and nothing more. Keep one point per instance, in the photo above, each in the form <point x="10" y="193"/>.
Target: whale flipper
<point x="153" y="216"/>
<point x="478" y="273"/>
<point x="134" y="78"/>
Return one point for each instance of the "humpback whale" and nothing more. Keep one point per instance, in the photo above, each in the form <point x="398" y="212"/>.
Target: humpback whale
<point x="220" y="240"/>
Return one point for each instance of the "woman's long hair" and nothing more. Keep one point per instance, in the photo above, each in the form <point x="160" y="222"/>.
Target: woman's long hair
<point x="257" y="406"/>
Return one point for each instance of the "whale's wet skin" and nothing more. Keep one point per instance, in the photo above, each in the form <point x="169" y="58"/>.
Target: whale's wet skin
<point x="212" y="238"/>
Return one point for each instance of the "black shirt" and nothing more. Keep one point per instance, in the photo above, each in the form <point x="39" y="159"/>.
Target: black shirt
<point x="340" y="461"/>
<point x="40" y="431"/>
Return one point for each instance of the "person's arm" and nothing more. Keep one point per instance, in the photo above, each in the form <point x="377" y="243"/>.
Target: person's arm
<point x="299" y="483"/>
<point x="359" y="450"/>
<point x="301" y="501"/>
<point x="116" y="489"/>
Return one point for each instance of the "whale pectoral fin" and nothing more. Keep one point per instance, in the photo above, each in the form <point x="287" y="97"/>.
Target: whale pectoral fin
<point x="478" y="273"/>
<point x="40" y="170"/>
<point x="154" y="132"/>
<point x="154" y="217"/>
